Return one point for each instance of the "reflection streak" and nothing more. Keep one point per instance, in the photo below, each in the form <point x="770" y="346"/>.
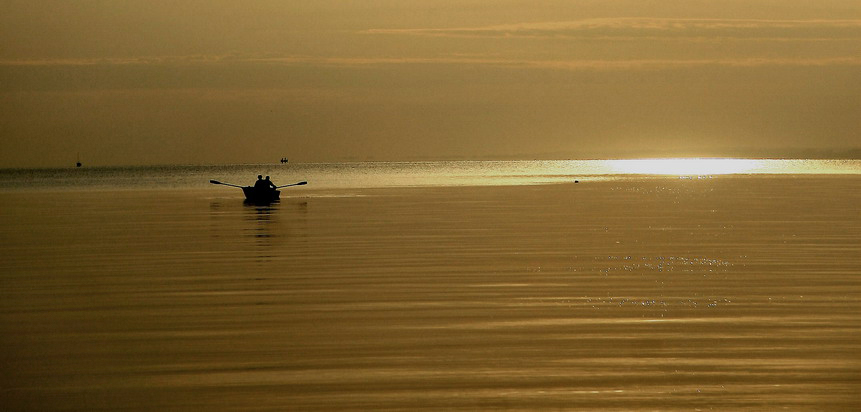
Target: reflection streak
<point x="692" y="166"/>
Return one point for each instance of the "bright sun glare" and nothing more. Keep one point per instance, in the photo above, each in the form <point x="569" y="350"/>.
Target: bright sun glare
<point x="694" y="166"/>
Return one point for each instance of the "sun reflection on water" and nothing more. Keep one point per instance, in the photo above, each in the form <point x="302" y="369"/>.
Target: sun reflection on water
<point x="693" y="166"/>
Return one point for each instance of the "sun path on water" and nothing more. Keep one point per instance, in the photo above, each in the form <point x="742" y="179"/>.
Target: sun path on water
<point x="684" y="166"/>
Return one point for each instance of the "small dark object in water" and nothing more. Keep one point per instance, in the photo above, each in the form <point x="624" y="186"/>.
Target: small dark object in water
<point x="78" y="164"/>
<point x="576" y="181"/>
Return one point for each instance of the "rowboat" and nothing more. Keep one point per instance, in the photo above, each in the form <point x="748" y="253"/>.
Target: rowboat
<point x="260" y="195"/>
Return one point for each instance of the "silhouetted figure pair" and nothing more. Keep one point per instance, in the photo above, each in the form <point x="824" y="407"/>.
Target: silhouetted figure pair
<point x="262" y="184"/>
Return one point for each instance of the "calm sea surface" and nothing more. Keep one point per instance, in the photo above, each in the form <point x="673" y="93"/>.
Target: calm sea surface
<point x="706" y="284"/>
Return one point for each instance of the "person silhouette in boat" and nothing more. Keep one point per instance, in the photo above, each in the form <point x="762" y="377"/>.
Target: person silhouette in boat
<point x="261" y="184"/>
<point x="269" y="184"/>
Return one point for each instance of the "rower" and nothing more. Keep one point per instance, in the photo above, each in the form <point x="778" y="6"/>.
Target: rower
<point x="261" y="184"/>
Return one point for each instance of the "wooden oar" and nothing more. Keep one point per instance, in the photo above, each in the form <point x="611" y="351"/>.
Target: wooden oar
<point x="294" y="184"/>
<point x="216" y="182"/>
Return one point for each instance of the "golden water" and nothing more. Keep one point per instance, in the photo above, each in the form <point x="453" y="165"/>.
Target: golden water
<point x="727" y="293"/>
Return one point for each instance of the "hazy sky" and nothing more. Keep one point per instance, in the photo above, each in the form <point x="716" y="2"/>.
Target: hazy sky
<point x="211" y="81"/>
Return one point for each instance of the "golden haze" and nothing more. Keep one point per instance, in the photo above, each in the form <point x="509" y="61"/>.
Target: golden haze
<point x="138" y="82"/>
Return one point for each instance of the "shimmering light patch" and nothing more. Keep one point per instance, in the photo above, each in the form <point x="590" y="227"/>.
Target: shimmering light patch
<point x="401" y="174"/>
<point x="694" y="166"/>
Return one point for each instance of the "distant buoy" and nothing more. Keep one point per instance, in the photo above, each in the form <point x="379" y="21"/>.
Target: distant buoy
<point x="78" y="164"/>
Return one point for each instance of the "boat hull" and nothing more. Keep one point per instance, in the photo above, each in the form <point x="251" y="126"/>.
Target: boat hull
<point x="255" y="195"/>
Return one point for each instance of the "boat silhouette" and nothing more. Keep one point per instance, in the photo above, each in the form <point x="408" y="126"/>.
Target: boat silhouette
<point x="259" y="194"/>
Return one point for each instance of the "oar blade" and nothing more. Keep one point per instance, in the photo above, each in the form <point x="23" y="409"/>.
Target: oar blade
<point x="216" y="182"/>
<point x="293" y="184"/>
